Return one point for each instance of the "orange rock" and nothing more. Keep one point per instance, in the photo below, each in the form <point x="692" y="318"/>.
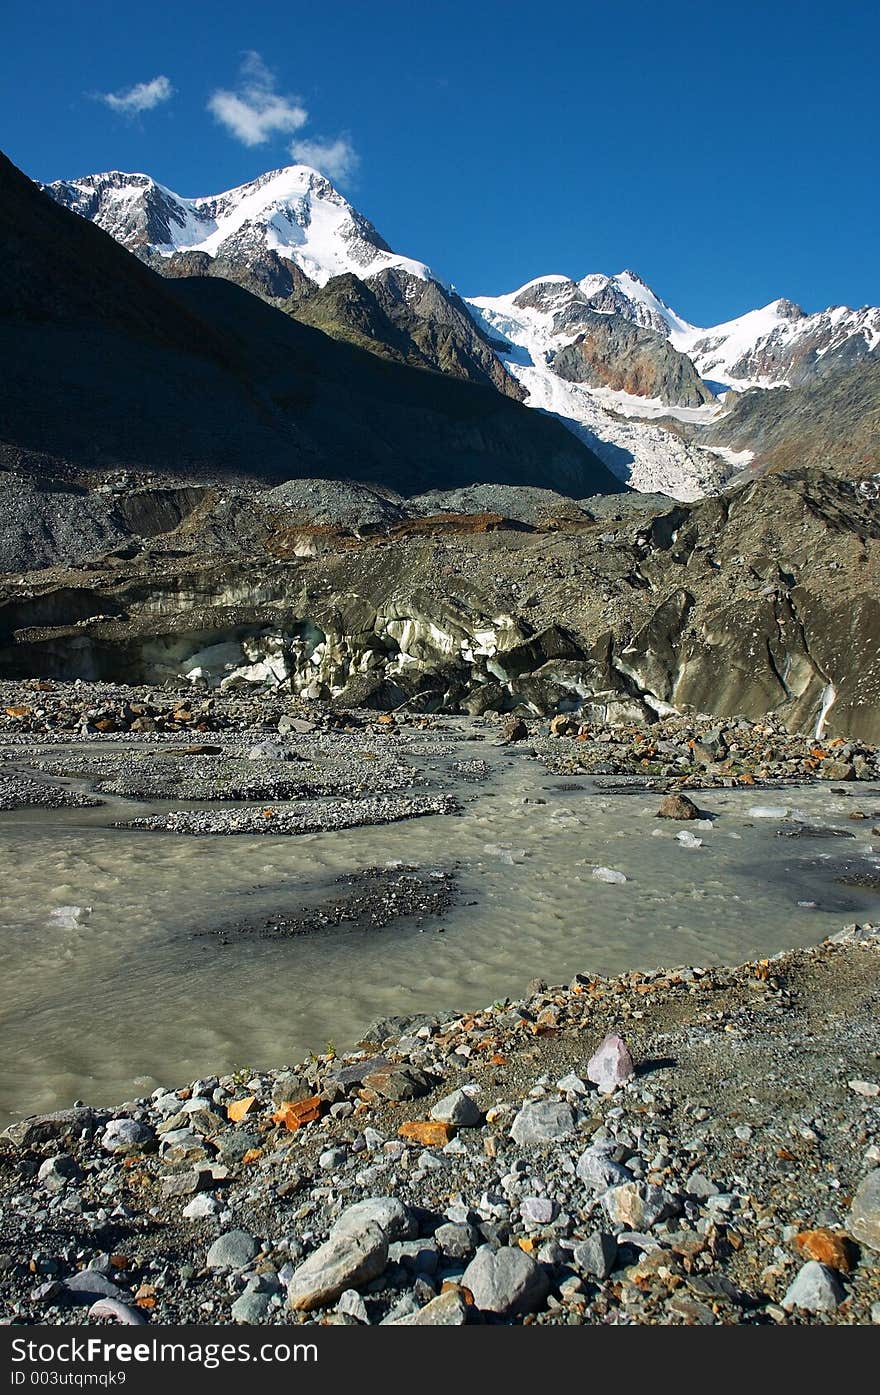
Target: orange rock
<point x="294" y="1113"/>
<point x="828" y="1247"/>
<point x="526" y="1244"/>
<point x="428" y="1132"/>
<point x="498" y="1059"/>
<point x="449" y="1286"/>
<point x="18" y="711"/>
<point x="239" y="1108"/>
<point x="252" y="1154"/>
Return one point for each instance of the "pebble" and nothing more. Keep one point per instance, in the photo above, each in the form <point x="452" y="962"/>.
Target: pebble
<point x="596" y="1256"/>
<point x="251" y="1306"/>
<point x="638" y="1205"/>
<point x="201" y="1207"/>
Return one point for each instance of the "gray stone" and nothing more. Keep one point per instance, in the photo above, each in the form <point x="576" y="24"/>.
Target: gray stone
<point x="289" y="1087"/>
<point x="119" y="1312"/>
<point x="342" y="1262"/>
<point x="864" y="1216"/>
<point x="351" y="1302"/>
<point x="355" y="1072"/>
<point x="90" y="1284"/>
<point x="815" y="1289"/>
<point x="399" y="1082"/>
<point x="457" y="1240"/>
<point x="638" y="1205"/>
<point x="448" y="1309"/>
<point x="459" y="1109"/>
<point x="542" y="1121"/>
<point x="506" y="1280"/>
<point x="419" y="1255"/>
<point x="386" y="1213"/>
<point x="295" y="724"/>
<point x="596" y="1255"/>
<point x="64" y="1124"/>
<point x="537" y="1210"/>
<point x="251" y="1307"/>
<point x="234" y="1249"/>
<point x="268" y="750"/>
<point x="55" y="1173"/>
<point x="126" y="1136"/>
<point x="700" y="1186"/>
<point x="598" y="1169"/>
<point x="404" y="1307"/>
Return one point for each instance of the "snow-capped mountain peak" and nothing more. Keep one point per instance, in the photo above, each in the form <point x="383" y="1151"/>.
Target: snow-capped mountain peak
<point x="295" y="212"/>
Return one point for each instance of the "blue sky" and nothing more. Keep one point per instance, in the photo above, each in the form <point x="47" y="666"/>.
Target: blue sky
<point x="728" y="156"/>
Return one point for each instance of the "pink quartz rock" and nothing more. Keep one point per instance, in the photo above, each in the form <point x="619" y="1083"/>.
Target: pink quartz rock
<point x="611" y="1065"/>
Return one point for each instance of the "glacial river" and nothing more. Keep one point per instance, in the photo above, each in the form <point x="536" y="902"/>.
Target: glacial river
<point x="110" y="988"/>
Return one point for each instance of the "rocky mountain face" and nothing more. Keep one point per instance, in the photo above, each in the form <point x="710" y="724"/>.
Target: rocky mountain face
<point x="289" y="234"/>
<point x="780" y="345"/>
<point x="282" y="237"/>
<point x="111" y="368"/>
<point x="764" y="600"/>
<point x="613" y="352"/>
<point x="831" y="423"/>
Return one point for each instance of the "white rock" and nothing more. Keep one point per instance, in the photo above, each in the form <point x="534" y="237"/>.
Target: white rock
<point x="688" y="840"/>
<point x="611" y="1065"/>
<point x="815" y="1289"/>
<point x="202" y="1206"/>
<point x="609" y="875"/>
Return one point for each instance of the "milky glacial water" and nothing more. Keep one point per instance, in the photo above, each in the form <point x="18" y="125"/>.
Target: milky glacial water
<point x="130" y="995"/>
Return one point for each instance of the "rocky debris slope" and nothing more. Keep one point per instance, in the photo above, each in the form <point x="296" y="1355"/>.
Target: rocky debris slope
<point x="468" y="1168"/>
<point x="832" y="424"/>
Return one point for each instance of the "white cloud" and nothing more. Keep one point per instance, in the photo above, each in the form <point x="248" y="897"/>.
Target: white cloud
<point x="142" y="97"/>
<point x="255" y="110"/>
<point x="338" y="158"/>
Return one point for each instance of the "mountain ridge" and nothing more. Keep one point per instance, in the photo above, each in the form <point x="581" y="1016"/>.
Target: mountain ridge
<point x="110" y="367"/>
